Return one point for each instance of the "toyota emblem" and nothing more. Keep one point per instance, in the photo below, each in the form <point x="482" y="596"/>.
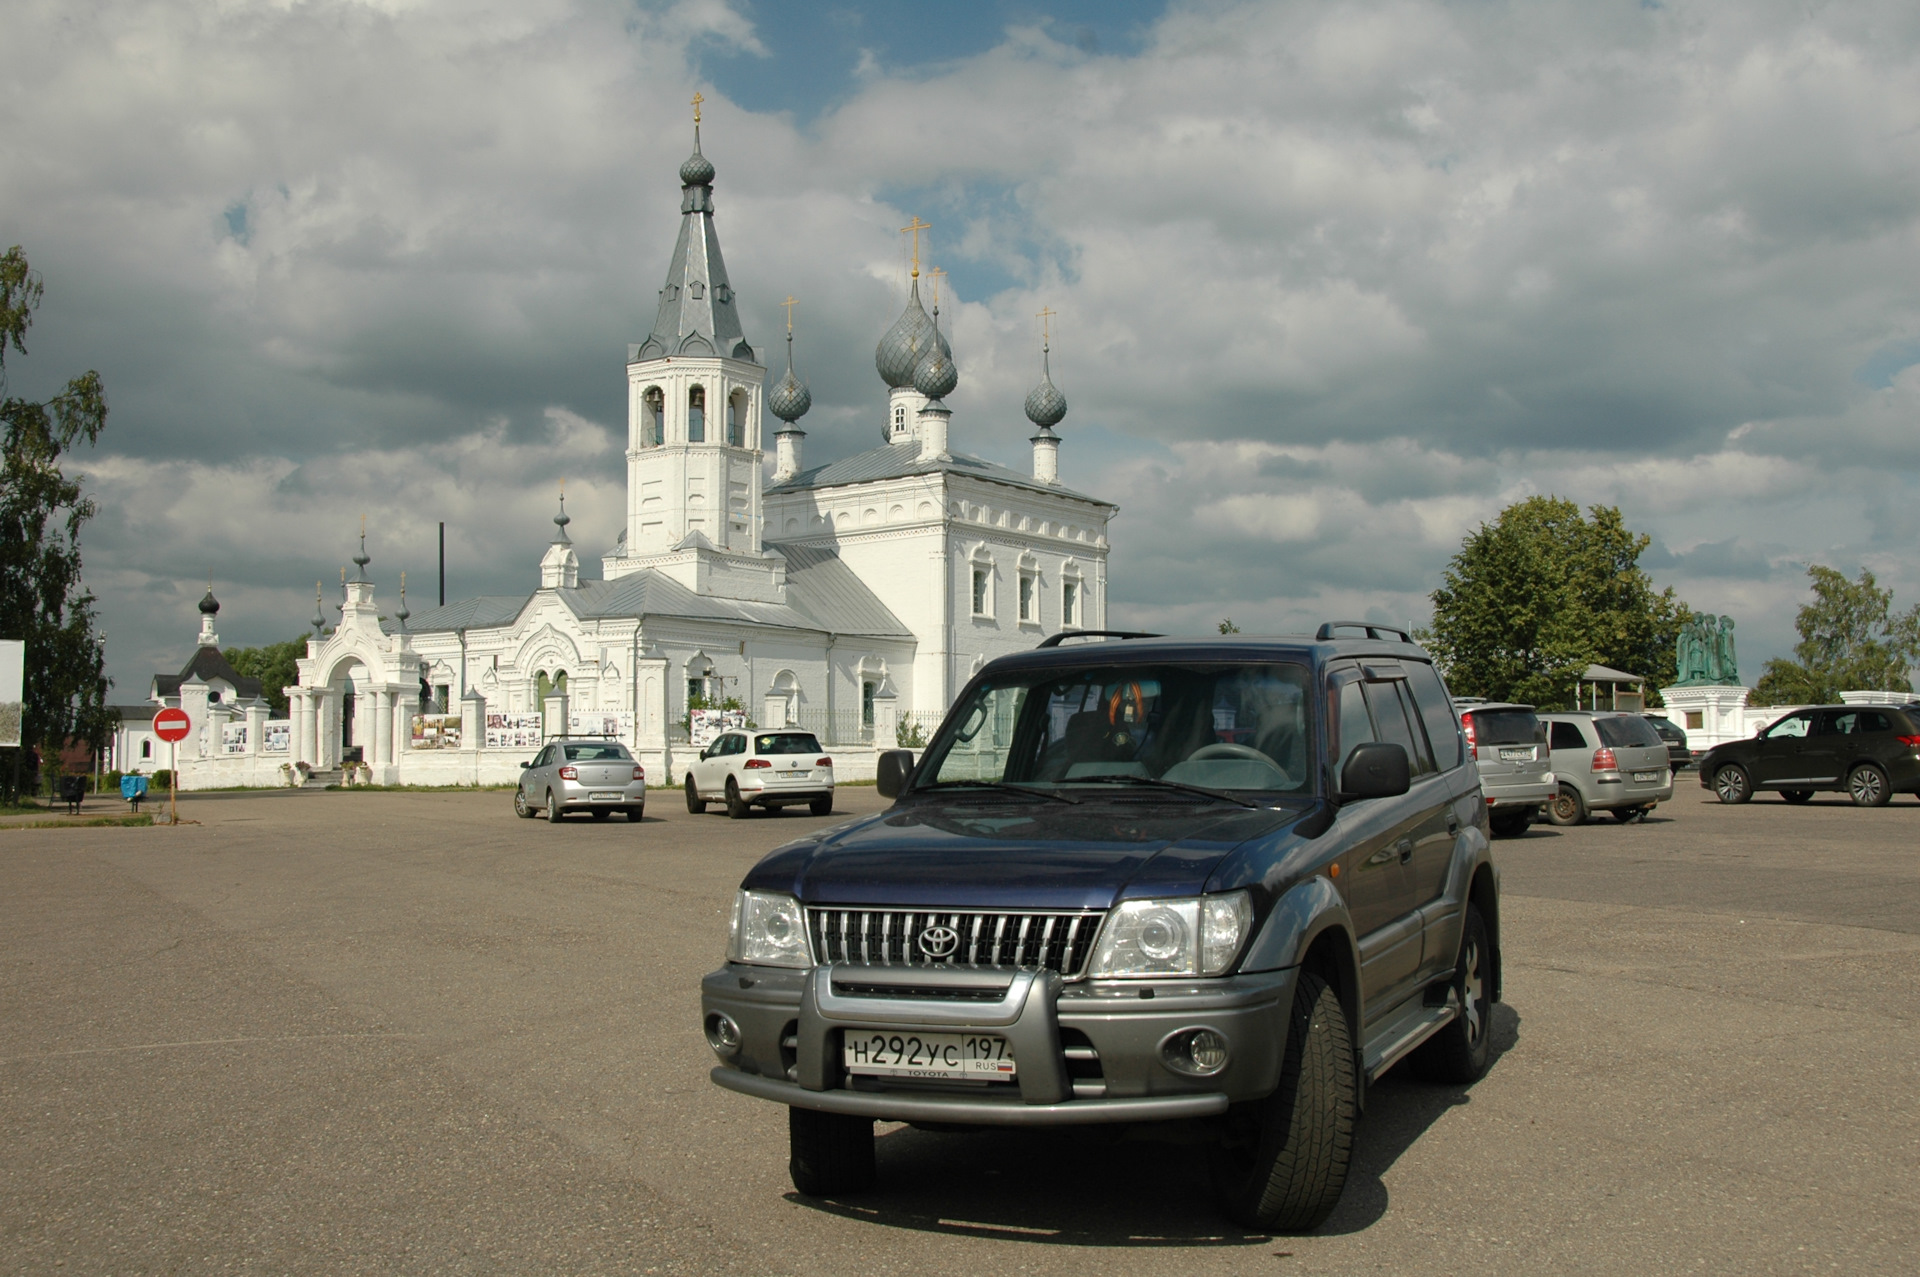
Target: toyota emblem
<point x="939" y="942"/>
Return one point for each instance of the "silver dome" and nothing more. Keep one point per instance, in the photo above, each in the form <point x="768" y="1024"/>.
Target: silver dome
<point x="936" y="376"/>
<point x="1045" y="404"/>
<point x="698" y="170"/>
<point x="790" y="399"/>
<point x="906" y="343"/>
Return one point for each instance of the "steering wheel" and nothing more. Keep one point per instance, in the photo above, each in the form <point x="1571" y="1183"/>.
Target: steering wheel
<point x="1226" y="749"/>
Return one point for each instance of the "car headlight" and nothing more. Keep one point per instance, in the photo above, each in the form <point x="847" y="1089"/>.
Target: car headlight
<point x="1195" y="936"/>
<point x="768" y="931"/>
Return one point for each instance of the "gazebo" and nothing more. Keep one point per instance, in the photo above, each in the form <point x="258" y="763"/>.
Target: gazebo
<point x="1633" y="700"/>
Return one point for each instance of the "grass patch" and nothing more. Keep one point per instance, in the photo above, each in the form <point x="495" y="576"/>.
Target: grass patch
<point x="91" y="822"/>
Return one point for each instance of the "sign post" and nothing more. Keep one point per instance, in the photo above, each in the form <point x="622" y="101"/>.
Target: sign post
<point x="171" y="726"/>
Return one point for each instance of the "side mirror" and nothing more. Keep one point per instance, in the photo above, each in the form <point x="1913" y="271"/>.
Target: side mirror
<point x="891" y="771"/>
<point x="524" y="766"/>
<point x="1376" y="770"/>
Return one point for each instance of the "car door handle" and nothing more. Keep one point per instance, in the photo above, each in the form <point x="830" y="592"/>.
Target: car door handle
<point x="1405" y="847"/>
<point x="1453" y="822"/>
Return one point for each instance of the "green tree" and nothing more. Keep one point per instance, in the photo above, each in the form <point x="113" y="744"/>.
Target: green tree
<point x="273" y="665"/>
<point x="1228" y="627"/>
<point x="1851" y="640"/>
<point x="1543" y="591"/>
<point x="42" y="510"/>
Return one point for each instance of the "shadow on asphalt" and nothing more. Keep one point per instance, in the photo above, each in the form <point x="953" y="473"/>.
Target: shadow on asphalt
<point x="1093" y="1188"/>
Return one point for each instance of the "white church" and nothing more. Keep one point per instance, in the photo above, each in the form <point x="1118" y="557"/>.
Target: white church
<point x="853" y="598"/>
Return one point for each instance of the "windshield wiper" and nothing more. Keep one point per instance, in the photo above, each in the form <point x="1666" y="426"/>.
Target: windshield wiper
<point x="1218" y="794"/>
<point x="1003" y="785"/>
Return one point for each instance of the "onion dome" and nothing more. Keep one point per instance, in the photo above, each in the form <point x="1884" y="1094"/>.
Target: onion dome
<point x="561" y="521"/>
<point x="698" y="169"/>
<point x="1046" y="406"/>
<point x="209" y="606"/>
<point x="936" y="376"/>
<point x="361" y="560"/>
<point x="319" y="618"/>
<point x="790" y="398"/>
<point x="905" y="344"/>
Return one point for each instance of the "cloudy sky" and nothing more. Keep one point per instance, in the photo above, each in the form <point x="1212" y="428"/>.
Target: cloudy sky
<point x="1336" y="281"/>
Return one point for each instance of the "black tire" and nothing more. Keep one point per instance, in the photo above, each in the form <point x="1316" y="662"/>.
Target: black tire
<point x="1868" y="786"/>
<point x="635" y="814"/>
<point x="521" y="807"/>
<point x="737" y="808"/>
<point x="1627" y="815"/>
<point x="821" y="806"/>
<point x="1510" y="824"/>
<point x="829" y="1153"/>
<point x="554" y="814"/>
<point x="602" y="815"/>
<point x="695" y="803"/>
<point x="1567" y="807"/>
<point x="1797" y="796"/>
<point x="1731" y="784"/>
<point x="1283" y="1162"/>
<point x="1460" y="1053"/>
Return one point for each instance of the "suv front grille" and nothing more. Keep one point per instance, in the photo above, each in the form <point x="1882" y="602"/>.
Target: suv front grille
<point x="982" y="939"/>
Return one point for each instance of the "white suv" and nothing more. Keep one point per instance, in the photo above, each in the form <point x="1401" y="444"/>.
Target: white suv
<point x="777" y="768"/>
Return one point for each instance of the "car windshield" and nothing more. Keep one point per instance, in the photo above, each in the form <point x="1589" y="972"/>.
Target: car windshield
<point x="598" y="752"/>
<point x="1505" y="726"/>
<point x="1627" y="731"/>
<point x="786" y="743"/>
<point x="1239" y="727"/>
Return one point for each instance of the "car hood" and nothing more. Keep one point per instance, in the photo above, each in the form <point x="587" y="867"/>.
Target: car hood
<point x="1020" y="854"/>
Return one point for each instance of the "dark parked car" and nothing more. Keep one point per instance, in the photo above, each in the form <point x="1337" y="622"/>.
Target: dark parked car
<point x="1678" y="755"/>
<point x="1871" y="752"/>
<point x="1225" y="882"/>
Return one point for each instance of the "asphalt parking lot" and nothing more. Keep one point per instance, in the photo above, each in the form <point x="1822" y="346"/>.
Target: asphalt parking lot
<point x="386" y="1032"/>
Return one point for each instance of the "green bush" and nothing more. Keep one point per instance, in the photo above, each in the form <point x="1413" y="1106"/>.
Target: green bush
<point x="162" y="779"/>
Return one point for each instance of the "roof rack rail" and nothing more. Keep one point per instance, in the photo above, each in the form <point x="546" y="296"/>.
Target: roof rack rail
<point x="1055" y="640"/>
<point x="1373" y="631"/>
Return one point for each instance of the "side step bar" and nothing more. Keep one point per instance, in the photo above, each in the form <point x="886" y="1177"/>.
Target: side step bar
<point x="1404" y="1032"/>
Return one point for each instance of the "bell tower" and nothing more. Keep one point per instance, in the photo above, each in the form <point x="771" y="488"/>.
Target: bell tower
<point x="694" y="391"/>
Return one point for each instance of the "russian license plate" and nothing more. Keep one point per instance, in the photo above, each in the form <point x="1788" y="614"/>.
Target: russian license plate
<point x="1645" y="777"/>
<point x="1516" y="755"/>
<point x="607" y="796"/>
<point x="927" y="1055"/>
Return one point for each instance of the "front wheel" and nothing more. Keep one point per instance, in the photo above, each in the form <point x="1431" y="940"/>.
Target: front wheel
<point x="1461" y="1052"/>
<point x="521" y="807"/>
<point x="602" y="815"/>
<point x="737" y="808"/>
<point x="821" y="806"/>
<point x="1730" y="784"/>
<point x="1797" y="796"/>
<point x="1627" y="815"/>
<point x="1510" y="824"/>
<point x="1567" y="807"/>
<point x="1867" y="786"/>
<point x="1283" y="1161"/>
<point x="694" y="802"/>
<point x="829" y="1153"/>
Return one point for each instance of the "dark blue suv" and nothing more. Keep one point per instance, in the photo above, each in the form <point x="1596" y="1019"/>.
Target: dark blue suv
<point x="1225" y="882"/>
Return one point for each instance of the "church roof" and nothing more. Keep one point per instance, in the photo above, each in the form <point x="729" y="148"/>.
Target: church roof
<point x="207" y="664"/>
<point x="899" y="460"/>
<point x="823" y="594"/>
<point x="697" y="311"/>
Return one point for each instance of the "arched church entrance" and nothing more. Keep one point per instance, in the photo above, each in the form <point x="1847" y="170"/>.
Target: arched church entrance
<point x="344" y="726"/>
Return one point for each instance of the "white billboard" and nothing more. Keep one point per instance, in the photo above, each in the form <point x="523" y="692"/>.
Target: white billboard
<point x="13" y="664"/>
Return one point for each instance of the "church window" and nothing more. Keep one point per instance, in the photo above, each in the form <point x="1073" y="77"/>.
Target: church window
<point x="737" y="418"/>
<point x="696" y="290"/>
<point x="982" y="579"/>
<point x="867" y="689"/>
<point x="146" y="749"/>
<point x="1070" y="603"/>
<point x="697" y="415"/>
<point x="1027" y="582"/>
<point x="653" y="408"/>
<point x="899" y="420"/>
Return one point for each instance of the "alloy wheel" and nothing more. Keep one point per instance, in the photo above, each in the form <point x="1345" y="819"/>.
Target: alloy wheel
<point x="1473" y="986"/>
<point x="1867" y="786"/>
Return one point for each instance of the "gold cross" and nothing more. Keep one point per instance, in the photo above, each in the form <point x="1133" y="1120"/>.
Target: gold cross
<point x="790" y="303"/>
<point x="697" y="100"/>
<point x="916" y="228"/>
<point x="1046" y="323"/>
<point x="936" y="274"/>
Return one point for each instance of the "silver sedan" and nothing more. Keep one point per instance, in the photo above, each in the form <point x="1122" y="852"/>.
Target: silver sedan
<point x="598" y="777"/>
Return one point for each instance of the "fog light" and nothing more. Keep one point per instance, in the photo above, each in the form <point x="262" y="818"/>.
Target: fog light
<point x="723" y="1035"/>
<point x="1195" y="1052"/>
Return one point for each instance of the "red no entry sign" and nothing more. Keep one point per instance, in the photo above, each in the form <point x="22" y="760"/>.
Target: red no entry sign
<point x="171" y="725"/>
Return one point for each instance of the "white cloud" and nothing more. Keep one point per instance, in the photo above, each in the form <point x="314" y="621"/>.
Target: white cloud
<point x="1335" y="281"/>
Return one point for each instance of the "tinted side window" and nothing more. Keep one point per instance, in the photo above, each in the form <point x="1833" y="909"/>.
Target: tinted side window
<point x="1422" y="748"/>
<point x="1390" y="720"/>
<point x="1356" y="728"/>
<point x="1567" y="736"/>
<point x="1872" y="720"/>
<point x="1443" y="730"/>
<point x="1625" y="731"/>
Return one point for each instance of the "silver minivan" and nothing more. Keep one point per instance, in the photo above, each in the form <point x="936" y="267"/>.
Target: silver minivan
<point x="1605" y="762"/>
<point x="1509" y="746"/>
